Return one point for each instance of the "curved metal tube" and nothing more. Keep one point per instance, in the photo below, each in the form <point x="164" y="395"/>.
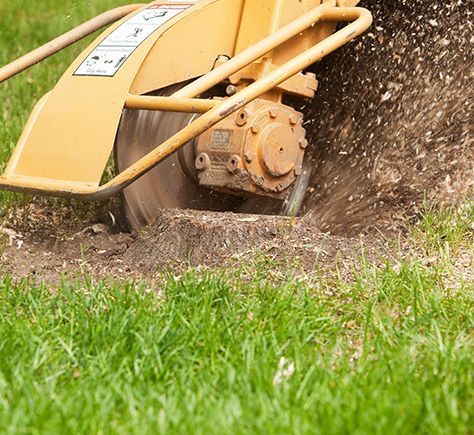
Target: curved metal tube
<point x="169" y="104"/>
<point x="362" y="19"/>
<point x="28" y="60"/>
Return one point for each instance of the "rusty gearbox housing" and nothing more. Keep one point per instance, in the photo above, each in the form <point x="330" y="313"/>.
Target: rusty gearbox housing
<point x="258" y="151"/>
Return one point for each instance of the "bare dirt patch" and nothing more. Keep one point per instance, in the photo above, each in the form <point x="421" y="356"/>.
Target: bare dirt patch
<point x="47" y="248"/>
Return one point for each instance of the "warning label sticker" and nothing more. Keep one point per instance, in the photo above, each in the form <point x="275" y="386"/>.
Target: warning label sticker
<point x="108" y="57"/>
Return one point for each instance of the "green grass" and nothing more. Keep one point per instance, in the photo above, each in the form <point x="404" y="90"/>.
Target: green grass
<point x="440" y="227"/>
<point x="387" y="352"/>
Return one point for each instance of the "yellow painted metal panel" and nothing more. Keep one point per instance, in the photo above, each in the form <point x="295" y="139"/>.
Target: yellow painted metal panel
<point x="185" y="55"/>
<point x="261" y="18"/>
<point x="73" y="134"/>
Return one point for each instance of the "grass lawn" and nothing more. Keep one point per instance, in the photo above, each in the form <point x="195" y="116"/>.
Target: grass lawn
<point x="224" y="352"/>
<point x="386" y="350"/>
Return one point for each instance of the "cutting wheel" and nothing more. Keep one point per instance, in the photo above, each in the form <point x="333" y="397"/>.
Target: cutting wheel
<point x="173" y="182"/>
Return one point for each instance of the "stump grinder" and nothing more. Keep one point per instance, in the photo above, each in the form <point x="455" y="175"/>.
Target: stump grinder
<point x="188" y="97"/>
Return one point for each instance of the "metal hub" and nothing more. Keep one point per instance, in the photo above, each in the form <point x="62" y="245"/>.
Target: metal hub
<point x="258" y="151"/>
<point x="174" y="182"/>
<point x="280" y="150"/>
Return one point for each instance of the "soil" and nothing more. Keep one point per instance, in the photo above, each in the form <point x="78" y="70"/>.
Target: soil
<point x="44" y="246"/>
<point x="390" y="128"/>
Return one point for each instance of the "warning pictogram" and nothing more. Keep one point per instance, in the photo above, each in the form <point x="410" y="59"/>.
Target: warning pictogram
<point x="108" y="57"/>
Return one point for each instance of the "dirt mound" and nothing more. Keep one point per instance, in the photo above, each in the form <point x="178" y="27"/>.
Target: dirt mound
<point x="392" y="120"/>
<point x="47" y="248"/>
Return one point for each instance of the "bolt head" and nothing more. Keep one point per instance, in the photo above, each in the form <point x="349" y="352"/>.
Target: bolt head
<point x="255" y="129"/>
<point x="273" y="112"/>
<point x="293" y="119"/>
<point x="304" y="144"/>
<point x="231" y="90"/>
<point x="249" y="156"/>
<point x="234" y="163"/>
<point x="203" y="162"/>
<point x="241" y="117"/>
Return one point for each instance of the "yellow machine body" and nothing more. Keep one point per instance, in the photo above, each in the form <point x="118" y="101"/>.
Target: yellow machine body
<point x="70" y="135"/>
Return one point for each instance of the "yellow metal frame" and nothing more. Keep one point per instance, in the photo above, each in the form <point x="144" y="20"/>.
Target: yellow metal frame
<point x="213" y="111"/>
